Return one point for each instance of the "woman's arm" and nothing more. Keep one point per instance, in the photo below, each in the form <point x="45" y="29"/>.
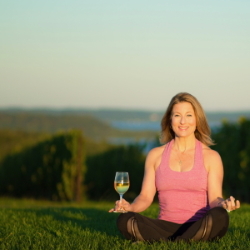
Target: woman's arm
<point x="214" y="166"/>
<point x="215" y="177"/>
<point x="148" y="190"/>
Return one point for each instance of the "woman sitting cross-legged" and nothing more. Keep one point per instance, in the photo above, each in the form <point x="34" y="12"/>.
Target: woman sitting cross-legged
<point x="187" y="175"/>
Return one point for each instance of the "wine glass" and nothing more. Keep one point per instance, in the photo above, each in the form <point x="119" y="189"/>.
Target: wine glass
<point x="121" y="185"/>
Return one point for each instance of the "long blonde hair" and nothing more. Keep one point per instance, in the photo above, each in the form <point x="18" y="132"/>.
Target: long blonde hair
<point x="202" y="132"/>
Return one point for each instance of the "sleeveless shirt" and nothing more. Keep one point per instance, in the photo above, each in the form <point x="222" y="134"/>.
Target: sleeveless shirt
<point x="182" y="195"/>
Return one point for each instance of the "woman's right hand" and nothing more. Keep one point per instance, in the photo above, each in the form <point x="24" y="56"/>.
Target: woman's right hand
<point x="230" y="204"/>
<point x="121" y="205"/>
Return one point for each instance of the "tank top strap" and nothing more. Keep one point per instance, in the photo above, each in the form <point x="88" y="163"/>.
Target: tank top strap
<point x="198" y="157"/>
<point x="165" y="156"/>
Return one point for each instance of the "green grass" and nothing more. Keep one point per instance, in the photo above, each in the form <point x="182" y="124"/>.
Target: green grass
<point x="29" y="224"/>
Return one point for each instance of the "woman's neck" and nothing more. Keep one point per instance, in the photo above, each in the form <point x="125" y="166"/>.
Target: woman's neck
<point x="183" y="144"/>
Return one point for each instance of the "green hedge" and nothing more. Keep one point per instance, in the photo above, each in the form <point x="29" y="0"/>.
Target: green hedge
<point x="52" y="169"/>
<point x="233" y="143"/>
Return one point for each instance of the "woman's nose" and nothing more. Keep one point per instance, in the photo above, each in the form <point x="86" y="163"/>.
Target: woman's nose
<point x="183" y="120"/>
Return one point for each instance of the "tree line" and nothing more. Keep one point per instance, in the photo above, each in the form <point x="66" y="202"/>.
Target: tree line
<point x="67" y="166"/>
<point x="51" y="169"/>
<point x="233" y="144"/>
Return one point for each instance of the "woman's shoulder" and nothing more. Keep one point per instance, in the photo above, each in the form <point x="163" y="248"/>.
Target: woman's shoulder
<point x="154" y="156"/>
<point x="211" y="157"/>
<point x="156" y="151"/>
<point x="207" y="151"/>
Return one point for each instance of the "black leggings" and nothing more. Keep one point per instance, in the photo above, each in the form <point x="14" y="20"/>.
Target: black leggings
<point x="137" y="227"/>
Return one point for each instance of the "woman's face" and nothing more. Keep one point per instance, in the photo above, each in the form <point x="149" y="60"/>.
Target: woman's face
<point x="183" y="120"/>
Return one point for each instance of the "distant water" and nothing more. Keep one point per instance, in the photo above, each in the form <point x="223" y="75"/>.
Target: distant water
<point x="151" y="126"/>
<point x="136" y="126"/>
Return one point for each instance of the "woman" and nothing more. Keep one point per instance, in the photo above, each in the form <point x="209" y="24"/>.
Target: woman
<point x="187" y="175"/>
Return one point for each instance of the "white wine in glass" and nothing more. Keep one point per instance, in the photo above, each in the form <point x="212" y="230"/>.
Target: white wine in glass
<point x="121" y="185"/>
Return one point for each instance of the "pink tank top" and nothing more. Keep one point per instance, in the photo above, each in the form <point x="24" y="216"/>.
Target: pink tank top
<point x="182" y="195"/>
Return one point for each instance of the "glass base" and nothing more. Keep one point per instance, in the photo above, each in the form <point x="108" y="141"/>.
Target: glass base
<point x="120" y="211"/>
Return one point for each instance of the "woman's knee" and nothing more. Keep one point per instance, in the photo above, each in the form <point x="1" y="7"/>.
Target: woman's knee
<point x="123" y="219"/>
<point x="219" y="213"/>
<point x="220" y="222"/>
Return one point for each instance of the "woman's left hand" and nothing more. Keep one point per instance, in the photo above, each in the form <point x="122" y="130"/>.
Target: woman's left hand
<point x="230" y="204"/>
<point x="122" y="205"/>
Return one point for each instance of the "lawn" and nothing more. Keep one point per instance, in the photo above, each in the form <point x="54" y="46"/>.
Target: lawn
<point x="29" y="224"/>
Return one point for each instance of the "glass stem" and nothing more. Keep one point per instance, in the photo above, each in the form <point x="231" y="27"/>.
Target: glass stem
<point x="121" y="198"/>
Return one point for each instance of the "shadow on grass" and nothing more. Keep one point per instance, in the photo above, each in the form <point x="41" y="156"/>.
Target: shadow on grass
<point x="84" y="218"/>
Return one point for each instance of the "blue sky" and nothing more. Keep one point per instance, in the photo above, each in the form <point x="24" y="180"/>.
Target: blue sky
<point x="124" y="54"/>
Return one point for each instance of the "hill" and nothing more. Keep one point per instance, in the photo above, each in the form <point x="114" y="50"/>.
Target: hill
<point x="51" y="122"/>
<point x="111" y="115"/>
